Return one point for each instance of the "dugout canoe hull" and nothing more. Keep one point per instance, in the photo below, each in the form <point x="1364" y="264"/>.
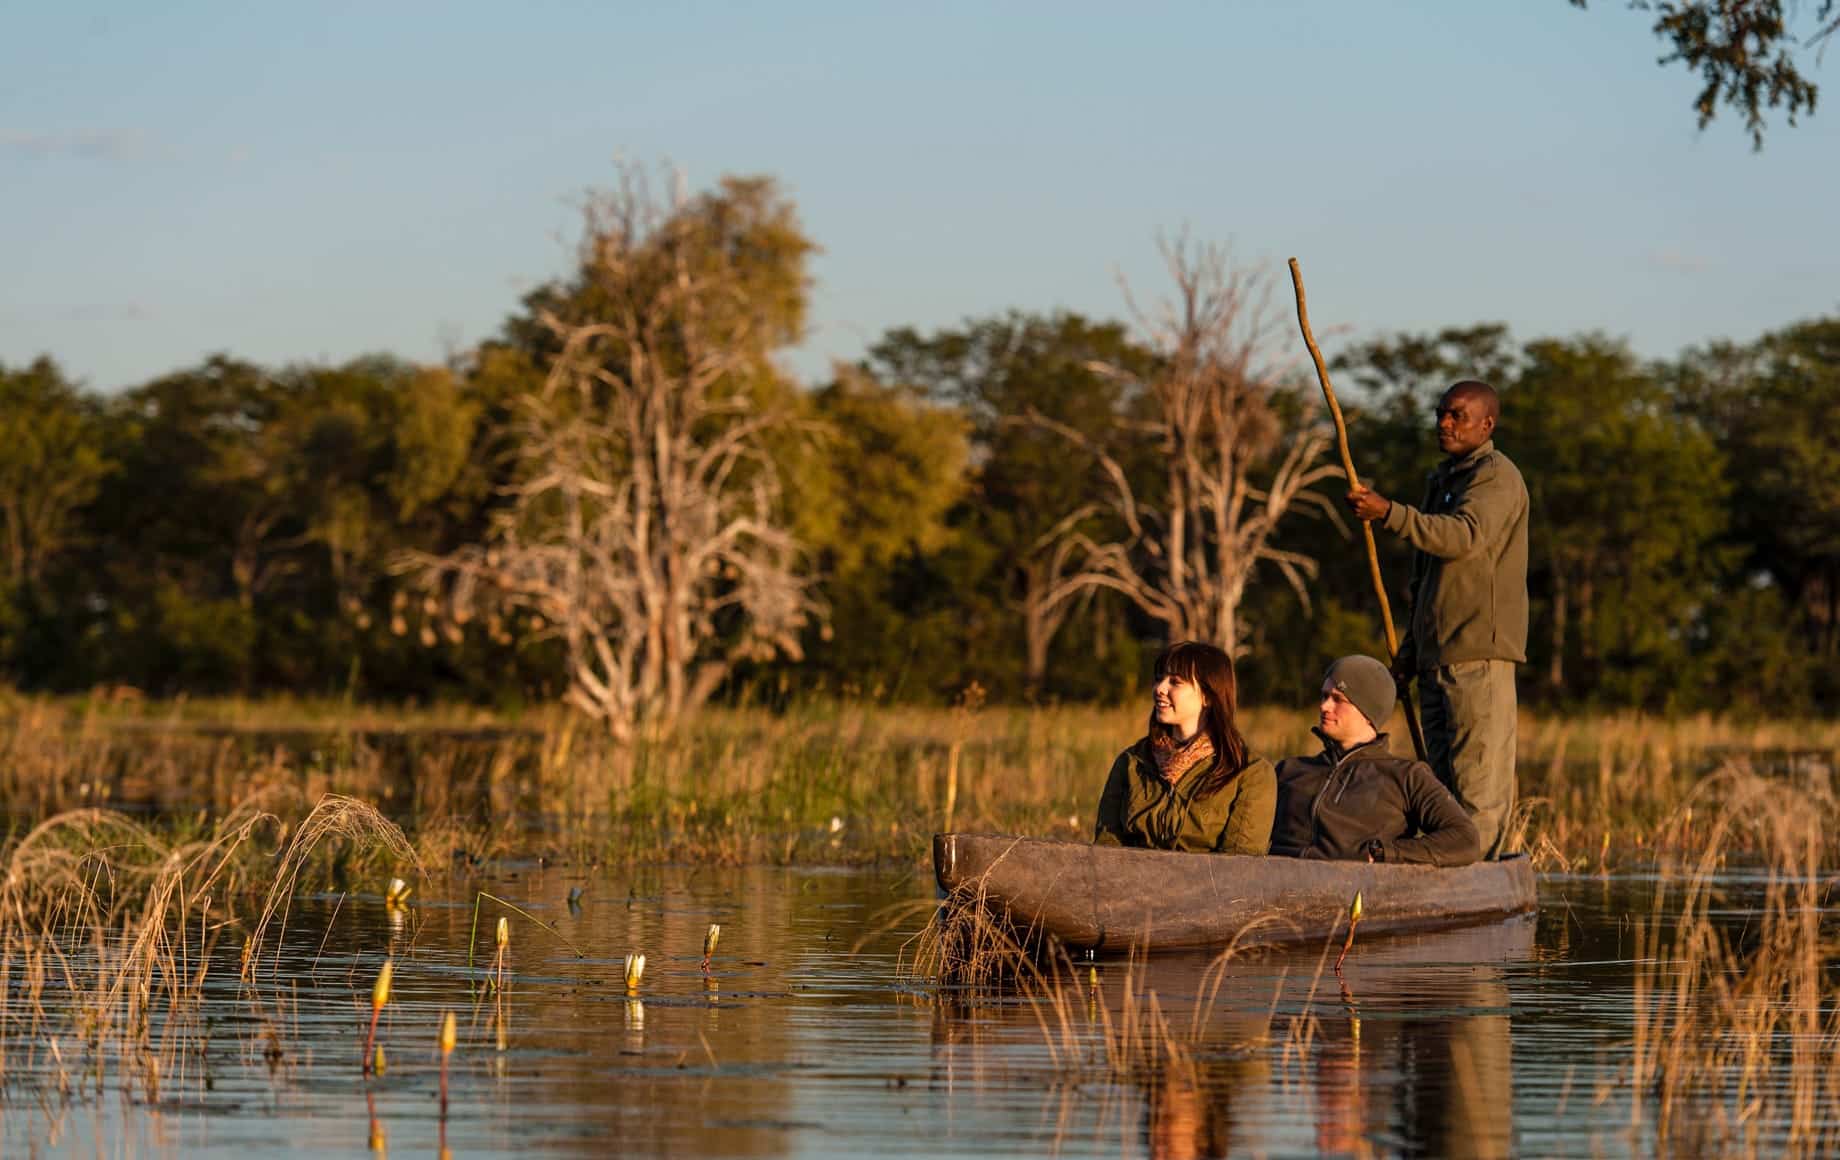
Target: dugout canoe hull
<point x="1107" y="898"/>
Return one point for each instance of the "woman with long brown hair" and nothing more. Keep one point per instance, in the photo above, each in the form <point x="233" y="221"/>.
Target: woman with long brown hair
<point x="1191" y="783"/>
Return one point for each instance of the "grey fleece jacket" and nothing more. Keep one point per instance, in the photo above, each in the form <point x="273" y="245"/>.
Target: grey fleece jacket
<point x="1335" y="804"/>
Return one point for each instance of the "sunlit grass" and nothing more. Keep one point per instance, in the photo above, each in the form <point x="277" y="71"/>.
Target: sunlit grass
<point x="840" y="782"/>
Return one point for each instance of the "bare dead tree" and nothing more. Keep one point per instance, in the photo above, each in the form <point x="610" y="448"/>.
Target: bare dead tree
<point x="1047" y="598"/>
<point x="641" y="529"/>
<point x="1231" y="471"/>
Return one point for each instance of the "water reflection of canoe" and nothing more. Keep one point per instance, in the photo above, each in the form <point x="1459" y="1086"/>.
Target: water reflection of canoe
<point x="1395" y="971"/>
<point x="1107" y="897"/>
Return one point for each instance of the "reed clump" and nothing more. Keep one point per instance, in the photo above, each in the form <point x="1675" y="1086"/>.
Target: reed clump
<point x="111" y="932"/>
<point x="967" y="945"/>
<point x="1097" y="1021"/>
<point x="1737" y="1043"/>
<point x="970" y="954"/>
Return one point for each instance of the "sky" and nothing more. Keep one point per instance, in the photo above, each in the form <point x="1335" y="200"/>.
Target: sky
<point x="312" y="182"/>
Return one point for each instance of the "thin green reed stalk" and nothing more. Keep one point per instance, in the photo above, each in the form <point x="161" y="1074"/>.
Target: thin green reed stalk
<point x="473" y="937"/>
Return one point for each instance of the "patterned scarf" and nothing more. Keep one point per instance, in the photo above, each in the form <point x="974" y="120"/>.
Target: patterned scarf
<point x="1175" y="758"/>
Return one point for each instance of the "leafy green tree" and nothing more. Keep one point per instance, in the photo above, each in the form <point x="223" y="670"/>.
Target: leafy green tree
<point x="886" y="464"/>
<point x="374" y="457"/>
<point x="367" y="447"/>
<point x="1025" y="482"/>
<point x="1629" y="506"/>
<point x="1745" y="52"/>
<point x="53" y="459"/>
<point x="1751" y="657"/>
<point x="1628" y="499"/>
<point x="51" y="464"/>
<point x="871" y="475"/>
<point x="1773" y="407"/>
<point x="193" y="522"/>
<point x="248" y="528"/>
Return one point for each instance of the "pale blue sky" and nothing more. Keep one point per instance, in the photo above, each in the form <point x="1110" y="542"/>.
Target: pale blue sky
<point x="314" y="181"/>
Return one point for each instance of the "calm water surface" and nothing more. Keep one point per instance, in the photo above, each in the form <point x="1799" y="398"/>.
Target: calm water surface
<point x="804" y="1038"/>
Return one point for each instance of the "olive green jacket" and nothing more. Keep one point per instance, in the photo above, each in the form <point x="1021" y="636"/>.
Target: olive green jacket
<point x="1469" y="575"/>
<point x="1139" y="808"/>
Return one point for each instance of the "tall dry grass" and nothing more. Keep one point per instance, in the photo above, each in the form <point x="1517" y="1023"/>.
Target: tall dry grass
<point x="835" y="782"/>
<point x="1096" y="1021"/>
<point x="1609" y="790"/>
<point x="110" y="931"/>
<point x="1737" y="1043"/>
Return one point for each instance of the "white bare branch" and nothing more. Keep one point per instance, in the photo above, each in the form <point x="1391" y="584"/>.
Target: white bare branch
<point x="1230" y="472"/>
<point x="640" y="529"/>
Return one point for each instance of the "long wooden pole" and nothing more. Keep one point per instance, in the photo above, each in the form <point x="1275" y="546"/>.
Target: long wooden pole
<point x="1354" y="481"/>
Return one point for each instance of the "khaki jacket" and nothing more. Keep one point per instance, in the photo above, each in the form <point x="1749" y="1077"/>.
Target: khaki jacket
<point x="1334" y="804"/>
<point x="1139" y="808"/>
<point x="1469" y="575"/>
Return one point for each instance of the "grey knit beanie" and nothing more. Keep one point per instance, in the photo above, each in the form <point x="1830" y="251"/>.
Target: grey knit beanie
<point x="1367" y="683"/>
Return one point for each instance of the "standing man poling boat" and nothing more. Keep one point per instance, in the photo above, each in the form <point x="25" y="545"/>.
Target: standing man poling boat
<point x="1468" y="604"/>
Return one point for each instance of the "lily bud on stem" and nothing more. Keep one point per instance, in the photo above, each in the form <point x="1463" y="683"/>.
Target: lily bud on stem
<point x="380" y="994"/>
<point x="449" y="1035"/>
<point x="396" y="893"/>
<point x="1354" y="920"/>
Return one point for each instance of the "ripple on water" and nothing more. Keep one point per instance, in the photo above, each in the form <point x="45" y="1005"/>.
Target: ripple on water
<point x="804" y="1039"/>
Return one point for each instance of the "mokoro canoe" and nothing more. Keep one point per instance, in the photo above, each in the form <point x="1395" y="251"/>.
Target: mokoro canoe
<point x="1107" y="898"/>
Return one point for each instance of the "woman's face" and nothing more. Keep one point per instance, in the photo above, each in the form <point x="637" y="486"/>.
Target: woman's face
<point x="1177" y="701"/>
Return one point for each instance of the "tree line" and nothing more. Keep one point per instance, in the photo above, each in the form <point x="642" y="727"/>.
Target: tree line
<point x="623" y="501"/>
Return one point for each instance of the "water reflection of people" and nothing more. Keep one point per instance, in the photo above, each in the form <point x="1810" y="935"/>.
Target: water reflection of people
<point x="1191" y="783"/>
<point x="1178" y="1121"/>
<point x="1441" y="1084"/>
<point x="1204" y="1068"/>
<point x="1421" y="1056"/>
<point x="1261" y="1056"/>
<point x="1459" y="1098"/>
<point x="1340" y="1108"/>
<point x="1191" y="1096"/>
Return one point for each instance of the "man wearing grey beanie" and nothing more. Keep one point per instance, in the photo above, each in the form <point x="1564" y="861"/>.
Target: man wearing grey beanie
<point x="1356" y="800"/>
